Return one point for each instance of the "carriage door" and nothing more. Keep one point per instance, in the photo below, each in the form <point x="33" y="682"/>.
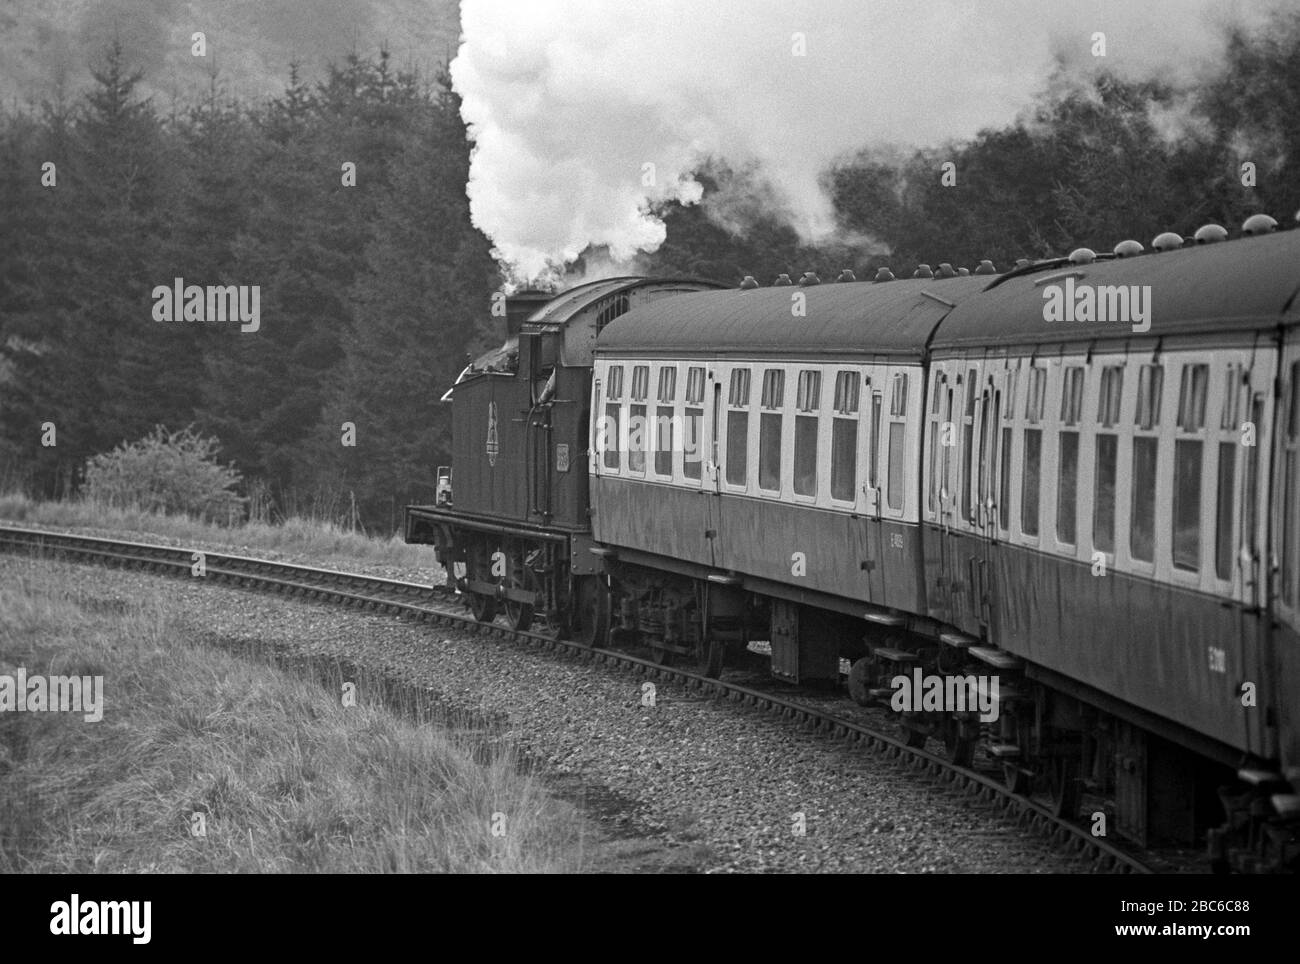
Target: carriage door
<point x="873" y="491"/>
<point x="989" y="479"/>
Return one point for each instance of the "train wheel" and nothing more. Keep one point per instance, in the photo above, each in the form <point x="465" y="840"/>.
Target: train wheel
<point x="861" y="675"/>
<point x="519" y="615"/>
<point x="960" y="749"/>
<point x="483" y="608"/>
<point x="1063" y="786"/>
<point x="712" y="654"/>
<point x="590" y="611"/>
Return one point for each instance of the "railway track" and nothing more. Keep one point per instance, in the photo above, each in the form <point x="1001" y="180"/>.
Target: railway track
<point x="440" y="605"/>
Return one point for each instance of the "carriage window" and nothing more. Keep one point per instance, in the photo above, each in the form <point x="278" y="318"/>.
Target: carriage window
<point x="1103" y="505"/>
<point x="936" y="481"/>
<point x="1067" y="489"/>
<point x="695" y="385"/>
<point x="844" y="436"/>
<point x="640" y="382"/>
<point x="1191" y="397"/>
<point x="769" y="430"/>
<point x="1142" y="519"/>
<point x="1035" y="395"/>
<point x="805" y="432"/>
<point x="1223" y="541"/>
<point x="1234" y="379"/>
<point x="607" y="435"/>
<point x="1293" y="419"/>
<point x="1012" y="377"/>
<point x="1250" y="481"/>
<point x="692" y="457"/>
<point x="897" y="438"/>
<point x="1004" y="488"/>
<point x="1187" y="504"/>
<point x="1030" y="488"/>
<point x="738" y="427"/>
<point x="1187" y="468"/>
<point x="967" y="444"/>
<point x="1108" y="399"/>
<point x="1151" y="380"/>
<point x="667" y="385"/>
<point x="638" y="431"/>
<point x="1072" y="395"/>
<point x="665" y="429"/>
<point x="898" y="403"/>
<point x="873" y="470"/>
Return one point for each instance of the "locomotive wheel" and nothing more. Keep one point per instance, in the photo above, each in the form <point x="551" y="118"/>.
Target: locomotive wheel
<point x="519" y="615"/>
<point x="860" y="678"/>
<point x="590" y="615"/>
<point x="549" y="621"/>
<point x="914" y="738"/>
<point x="659" y="655"/>
<point x="483" y="608"/>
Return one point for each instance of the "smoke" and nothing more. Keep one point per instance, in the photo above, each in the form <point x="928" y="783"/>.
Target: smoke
<point x="587" y="113"/>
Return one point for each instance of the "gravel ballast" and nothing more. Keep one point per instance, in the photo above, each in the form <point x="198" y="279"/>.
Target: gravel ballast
<point x="686" y="784"/>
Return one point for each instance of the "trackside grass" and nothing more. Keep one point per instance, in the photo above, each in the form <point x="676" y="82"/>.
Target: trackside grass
<point x="317" y="540"/>
<point x="282" y="775"/>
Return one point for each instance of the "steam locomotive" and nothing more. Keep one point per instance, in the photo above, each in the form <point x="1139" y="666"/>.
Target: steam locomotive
<point x="1078" y="478"/>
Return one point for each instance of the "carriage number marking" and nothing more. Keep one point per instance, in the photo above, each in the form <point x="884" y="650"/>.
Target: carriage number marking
<point x="896" y="540"/>
<point x="1217" y="660"/>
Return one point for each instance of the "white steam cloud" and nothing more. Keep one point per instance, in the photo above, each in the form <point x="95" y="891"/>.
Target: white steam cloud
<point x="570" y="102"/>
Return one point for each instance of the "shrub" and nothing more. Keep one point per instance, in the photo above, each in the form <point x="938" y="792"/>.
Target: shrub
<point x="169" y="472"/>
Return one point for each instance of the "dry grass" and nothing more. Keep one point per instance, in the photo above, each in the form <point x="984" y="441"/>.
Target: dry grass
<point x="286" y="777"/>
<point x="320" y="541"/>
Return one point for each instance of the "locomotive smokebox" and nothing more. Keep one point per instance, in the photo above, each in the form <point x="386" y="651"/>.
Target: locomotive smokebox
<point x="522" y="304"/>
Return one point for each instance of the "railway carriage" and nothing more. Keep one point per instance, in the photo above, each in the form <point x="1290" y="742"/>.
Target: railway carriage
<point x="796" y="486"/>
<point x="935" y="475"/>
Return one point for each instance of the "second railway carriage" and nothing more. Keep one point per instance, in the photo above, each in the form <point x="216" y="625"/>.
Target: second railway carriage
<point x="1098" y="526"/>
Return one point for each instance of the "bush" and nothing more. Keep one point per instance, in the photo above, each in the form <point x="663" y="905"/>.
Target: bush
<point x="169" y="472"/>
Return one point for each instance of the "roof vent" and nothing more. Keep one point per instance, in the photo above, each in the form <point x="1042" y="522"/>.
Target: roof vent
<point x="1128" y="249"/>
<point x="882" y="274"/>
<point x="1210" y="233"/>
<point x="781" y="279"/>
<point x="847" y="275"/>
<point x="1258" y="224"/>
<point x="810" y="278"/>
<point x="963" y="272"/>
<point x="946" y="271"/>
<point x="922" y="271"/>
<point x="1083" y="256"/>
<point x="748" y="283"/>
<point x="1022" y="262"/>
<point x="1168" y="241"/>
<point x="986" y="267"/>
